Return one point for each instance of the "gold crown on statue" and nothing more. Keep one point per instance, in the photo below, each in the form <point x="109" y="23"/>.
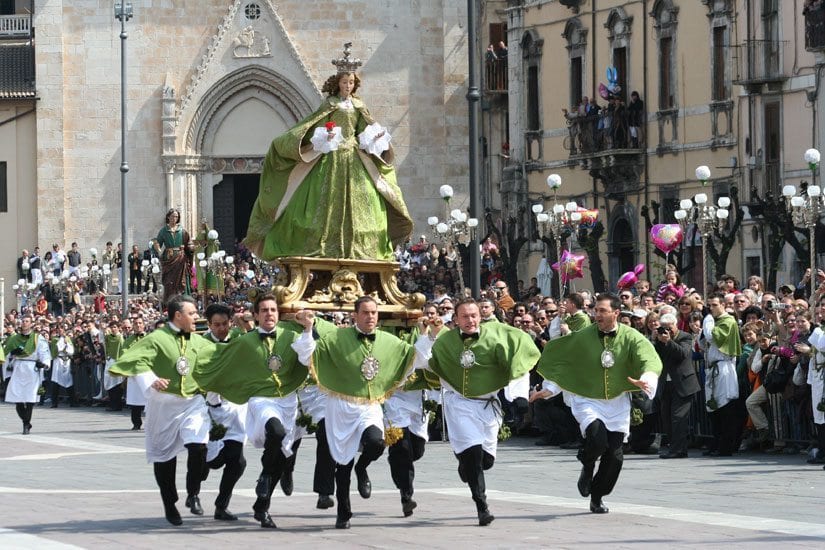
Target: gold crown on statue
<point x="347" y="64"/>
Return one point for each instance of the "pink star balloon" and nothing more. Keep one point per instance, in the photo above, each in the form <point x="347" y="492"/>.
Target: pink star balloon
<point x="630" y="278"/>
<point x="570" y="266"/>
<point x="666" y="236"/>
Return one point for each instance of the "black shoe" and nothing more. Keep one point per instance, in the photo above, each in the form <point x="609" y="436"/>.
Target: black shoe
<point x="262" y="489"/>
<point x="671" y="454"/>
<point x="194" y="505"/>
<point x="710" y="452"/>
<point x="364" y="485"/>
<point x="286" y="483"/>
<point x="585" y="479"/>
<point x="225" y="515"/>
<point x="598" y="507"/>
<point x="485" y="518"/>
<point x="135" y="428"/>
<point x="342" y="524"/>
<point x="407" y="506"/>
<point x="172" y="514"/>
<point x="266" y="520"/>
<point x="324" y="502"/>
<point x="26" y="429"/>
<point x="54" y="406"/>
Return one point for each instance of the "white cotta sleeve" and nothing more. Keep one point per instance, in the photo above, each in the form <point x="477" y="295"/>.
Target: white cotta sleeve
<point x="423" y="351"/>
<point x="653" y="381"/>
<point x="144" y="381"/>
<point x="708" y="324"/>
<point x="304" y="346"/>
<point x="520" y="387"/>
<point x="552" y="387"/>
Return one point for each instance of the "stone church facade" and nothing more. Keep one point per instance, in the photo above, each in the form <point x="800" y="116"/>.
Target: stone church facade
<point x="210" y="83"/>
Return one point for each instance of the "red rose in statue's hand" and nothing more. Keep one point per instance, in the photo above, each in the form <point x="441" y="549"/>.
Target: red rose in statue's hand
<point x="329" y="126"/>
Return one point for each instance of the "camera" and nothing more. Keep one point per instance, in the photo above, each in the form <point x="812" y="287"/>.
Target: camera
<point x="661" y="330"/>
<point x="770" y="305"/>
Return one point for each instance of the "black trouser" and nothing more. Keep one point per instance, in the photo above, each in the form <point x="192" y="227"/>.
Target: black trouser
<point x="675" y="411"/>
<point x="233" y="462"/>
<point x="55" y="394"/>
<point x="401" y="457"/>
<point x="289" y="463"/>
<point x="820" y="440"/>
<point x="323" y="482"/>
<point x="137" y="413"/>
<point x="273" y="461"/>
<point x="724" y="422"/>
<point x="372" y="447"/>
<point x="24" y="411"/>
<point x="555" y="421"/>
<point x="134" y="281"/>
<point x="471" y="465"/>
<point x="116" y="398"/>
<point x="606" y="447"/>
<point x="195" y="466"/>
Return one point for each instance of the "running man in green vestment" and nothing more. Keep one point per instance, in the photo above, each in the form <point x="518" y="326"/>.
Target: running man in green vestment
<point x="596" y="367"/>
<point x="162" y="365"/>
<point x="264" y="369"/>
<point x="474" y="361"/>
<point x="358" y="368"/>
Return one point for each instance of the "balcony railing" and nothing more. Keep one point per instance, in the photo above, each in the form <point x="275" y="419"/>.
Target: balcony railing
<point x="495" y="75"/>
<point x="15" y="26"/>
<point x="767" y="179"/>
<point x="815" y="27"/>
<point x="604" y="132"/>
<point x="759" y="62"/>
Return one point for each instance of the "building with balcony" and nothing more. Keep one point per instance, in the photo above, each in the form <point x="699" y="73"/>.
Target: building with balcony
<point x="18" y="131"/>
<point x="724" y="83"/>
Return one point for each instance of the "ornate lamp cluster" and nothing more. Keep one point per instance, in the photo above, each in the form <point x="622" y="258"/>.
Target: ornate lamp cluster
<point x="100" y="275"/>
<point x="149" y="268"/>
<point x="706" y="216"/>
<point x="805" y="210"/>
<point x="456" y="227"/>
<point x="558" y="220"/>
<point x="23" y="289"/>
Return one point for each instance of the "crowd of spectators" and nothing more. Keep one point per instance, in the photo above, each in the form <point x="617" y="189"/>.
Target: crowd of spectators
<point x="617" y="125"/>
<point x="775" y="329"/>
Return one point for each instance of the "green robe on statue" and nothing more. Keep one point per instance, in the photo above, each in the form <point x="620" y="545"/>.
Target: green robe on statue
<point x="339" y="359"/>
<point x="502" y="354"/>
<point x="159" y="351"/>
<point x="574" y="362"/>
<point x="342" y="204"/>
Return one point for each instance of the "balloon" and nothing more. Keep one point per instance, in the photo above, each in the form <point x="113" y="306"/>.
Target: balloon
<point x="589" y="217"/>
<point x="630" y="278"/>
<point x="666" y="236"/>
<point x="603" y="92"/>
<point x="570" y="266"/>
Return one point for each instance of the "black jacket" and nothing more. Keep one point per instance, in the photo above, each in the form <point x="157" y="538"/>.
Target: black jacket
<point x="677" y="362"/>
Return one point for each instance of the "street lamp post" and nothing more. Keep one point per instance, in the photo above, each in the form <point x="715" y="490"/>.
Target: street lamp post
<point x="123" y="12"/>
<point x="707" y="217"/>
<point x="558" y="219"/>
<point x="473" y="100"/>
<point x="806" y="209"/>
<point x="456" y="228"/>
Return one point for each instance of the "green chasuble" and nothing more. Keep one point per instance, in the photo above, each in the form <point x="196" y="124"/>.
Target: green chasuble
<point x="340" y="368"/>
<point x="53" y="345"/>
<point x="421" y="379"/>
<point x="241" y="368"/>
<point x="502" y="354"/>
<point x="159" y="352"/>
<point x="574" y="361"/>
<point x="342" y="204"/>
<point x="577" y="321"/>
<point x="132" y="340"/>
<point x="114" y="346"/>
<point x="726" y="335"/>
<point x="26" y="344"/>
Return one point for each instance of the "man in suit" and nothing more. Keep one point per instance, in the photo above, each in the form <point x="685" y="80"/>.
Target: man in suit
<point x="679" y="383"/>
<point x="135" y="260"/>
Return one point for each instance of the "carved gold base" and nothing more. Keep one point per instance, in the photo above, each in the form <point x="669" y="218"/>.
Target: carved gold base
<point x="332" y="284"/>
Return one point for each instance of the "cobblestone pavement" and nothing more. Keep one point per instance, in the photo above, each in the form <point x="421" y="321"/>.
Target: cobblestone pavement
<point x="80" y="480"/>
